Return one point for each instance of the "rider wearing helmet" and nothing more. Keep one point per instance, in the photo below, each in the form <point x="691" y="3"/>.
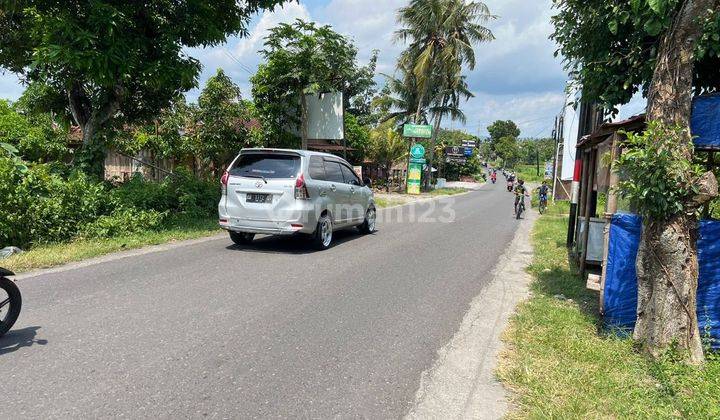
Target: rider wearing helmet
<point x="520" y="191"/>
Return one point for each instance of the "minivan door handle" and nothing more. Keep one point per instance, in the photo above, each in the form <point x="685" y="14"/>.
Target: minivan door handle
<point x="352" y="190"/>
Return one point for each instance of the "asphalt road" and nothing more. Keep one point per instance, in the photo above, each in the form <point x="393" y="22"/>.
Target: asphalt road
<point x="272" y="330"/>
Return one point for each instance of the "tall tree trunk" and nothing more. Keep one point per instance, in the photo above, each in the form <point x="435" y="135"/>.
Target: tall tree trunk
<point x="303" y="122"/>
<point x="667" y="267"/>
<point x="431" y="155"/>
<point x="92" y="117"/>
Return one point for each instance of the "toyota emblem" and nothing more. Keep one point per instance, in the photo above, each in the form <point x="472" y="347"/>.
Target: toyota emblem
<point x="258" y="184"/>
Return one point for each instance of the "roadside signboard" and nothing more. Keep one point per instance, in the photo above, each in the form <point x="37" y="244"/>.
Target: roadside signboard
<point x="454" y="159"/>
<point x="417" y="159"/>
<point x="358" y="171"/>
<point x="414" y="177"/>
<point x="455" y="151"/>
<point x="418" y="131"/>
<point x="417" y="151"/>
<point x="468" y="143"/>
<point x="468" y="151"/>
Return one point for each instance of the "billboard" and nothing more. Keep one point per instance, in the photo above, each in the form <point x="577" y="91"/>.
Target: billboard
<point x="570" y="129"/>
<point x="325" y="116"/>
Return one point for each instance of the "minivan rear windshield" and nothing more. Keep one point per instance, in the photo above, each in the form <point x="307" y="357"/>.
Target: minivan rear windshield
<point x="260" y="165"/>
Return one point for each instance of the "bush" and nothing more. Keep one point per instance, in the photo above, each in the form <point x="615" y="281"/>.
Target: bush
<point x="40" y="206"/>
<point x="43" y="204"/>
<point x="123" y="221"/>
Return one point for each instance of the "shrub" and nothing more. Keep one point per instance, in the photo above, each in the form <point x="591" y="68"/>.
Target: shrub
<point x="43" y="204"/>
<point x="123" y="221"/>
<point x="40" y="206"/>
<point x="657" y="175"/>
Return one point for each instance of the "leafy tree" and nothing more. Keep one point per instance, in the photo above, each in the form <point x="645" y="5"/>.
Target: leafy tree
<point x="508" y="149"/>
<point x="612" y="47"/>
<point x="357" y="137"/>
<point x="533" y="150"/>
<point x="669" y="49"/>
<point x="221" y="122"/>
<point x="303" y="58"/>
<point x="164" y="137"/>
<point x="33" y="137"/>
<point x="115" y="61"/>
<point x="500" y="129"/>
<point x="386" y="147"/>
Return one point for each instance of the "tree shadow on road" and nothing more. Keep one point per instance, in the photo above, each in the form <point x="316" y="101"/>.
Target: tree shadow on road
<point x="294" y="244"/>
<point x="17" y="339"/>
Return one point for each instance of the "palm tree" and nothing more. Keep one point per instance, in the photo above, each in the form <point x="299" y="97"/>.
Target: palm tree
<point x="441" y="36"/>
<point x="401" y="94"/>
<point x="441" y="33"/>
<point x="387" y="146"/>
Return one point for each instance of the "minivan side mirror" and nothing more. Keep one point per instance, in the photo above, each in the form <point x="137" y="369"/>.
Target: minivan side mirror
<point x="367" y="182"/>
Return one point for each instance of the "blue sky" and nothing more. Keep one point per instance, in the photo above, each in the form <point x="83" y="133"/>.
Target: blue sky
<point x="516" y="76"/>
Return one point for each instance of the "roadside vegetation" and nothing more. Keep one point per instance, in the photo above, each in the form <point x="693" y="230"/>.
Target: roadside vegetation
<point x="560" y="364"/>
<point x="50" y="255"/>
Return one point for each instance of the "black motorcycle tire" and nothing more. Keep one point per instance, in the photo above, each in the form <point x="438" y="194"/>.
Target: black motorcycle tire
<point x="15" y="303"/>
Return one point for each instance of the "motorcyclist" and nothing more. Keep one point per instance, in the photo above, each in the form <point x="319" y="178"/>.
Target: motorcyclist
<point x="520" y="191"/>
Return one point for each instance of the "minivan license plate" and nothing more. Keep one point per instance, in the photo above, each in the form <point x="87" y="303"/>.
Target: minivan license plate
<point x="259" y="198"/>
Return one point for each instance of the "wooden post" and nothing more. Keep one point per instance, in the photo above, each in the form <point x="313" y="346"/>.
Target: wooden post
<point x="610" y="210"/>
<point x="588" y="206"/>
<point x="581" y="196"/>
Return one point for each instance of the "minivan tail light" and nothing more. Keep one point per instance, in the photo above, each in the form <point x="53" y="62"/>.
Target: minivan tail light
<point x="301" y="192"/>
<point x="224" y="182"/>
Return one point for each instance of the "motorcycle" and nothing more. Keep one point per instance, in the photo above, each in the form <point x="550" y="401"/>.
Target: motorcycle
<point x="493" y="179"/>
<point x="510" y="186"/>
<point x="10" y="301"/>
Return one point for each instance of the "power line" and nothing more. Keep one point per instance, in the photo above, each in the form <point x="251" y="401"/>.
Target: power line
<point x="239" y="63"/>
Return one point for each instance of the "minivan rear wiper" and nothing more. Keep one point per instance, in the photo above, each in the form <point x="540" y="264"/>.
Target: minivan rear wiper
<point x="256" y="176"/>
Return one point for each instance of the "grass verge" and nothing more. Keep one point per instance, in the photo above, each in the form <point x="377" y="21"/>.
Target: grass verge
<point x="447" y="191"/>
<point x="45" y="256"/>
<point x="560" y="364"/>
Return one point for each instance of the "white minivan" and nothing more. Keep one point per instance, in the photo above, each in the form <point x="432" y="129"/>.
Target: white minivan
<point x="286" y="192"/>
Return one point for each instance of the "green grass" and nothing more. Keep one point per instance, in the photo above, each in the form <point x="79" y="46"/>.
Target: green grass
<point x="382" y="202"/>
<point x="51" y="255"/>
<point x="560" y="364"/>
<point x="529" y="173"/>
<point x="447" y="191"/>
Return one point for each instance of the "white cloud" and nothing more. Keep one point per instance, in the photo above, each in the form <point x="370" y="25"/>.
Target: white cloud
<point x="10" y="86"/>
<point x="534" y="113"/>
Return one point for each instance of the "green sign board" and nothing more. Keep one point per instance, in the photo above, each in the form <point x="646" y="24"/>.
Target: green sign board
<point x="414" y="177"/>
<point x="417" y="151"/>
<point x="419" y="131"/>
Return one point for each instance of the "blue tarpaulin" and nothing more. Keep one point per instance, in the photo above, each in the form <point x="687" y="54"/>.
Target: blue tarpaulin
<point x="708" y="296"/>
<point x="620" y="293"/>
<point x="705" y="121"/>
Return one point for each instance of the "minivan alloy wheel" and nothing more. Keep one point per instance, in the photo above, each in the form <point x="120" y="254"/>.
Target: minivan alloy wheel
<point x="326" y="232"/>
<point x="371" y="218"/>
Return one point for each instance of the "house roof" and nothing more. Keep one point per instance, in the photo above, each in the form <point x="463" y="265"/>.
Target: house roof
<point x="327" y="146"/>
<point x="635" y="123"/>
